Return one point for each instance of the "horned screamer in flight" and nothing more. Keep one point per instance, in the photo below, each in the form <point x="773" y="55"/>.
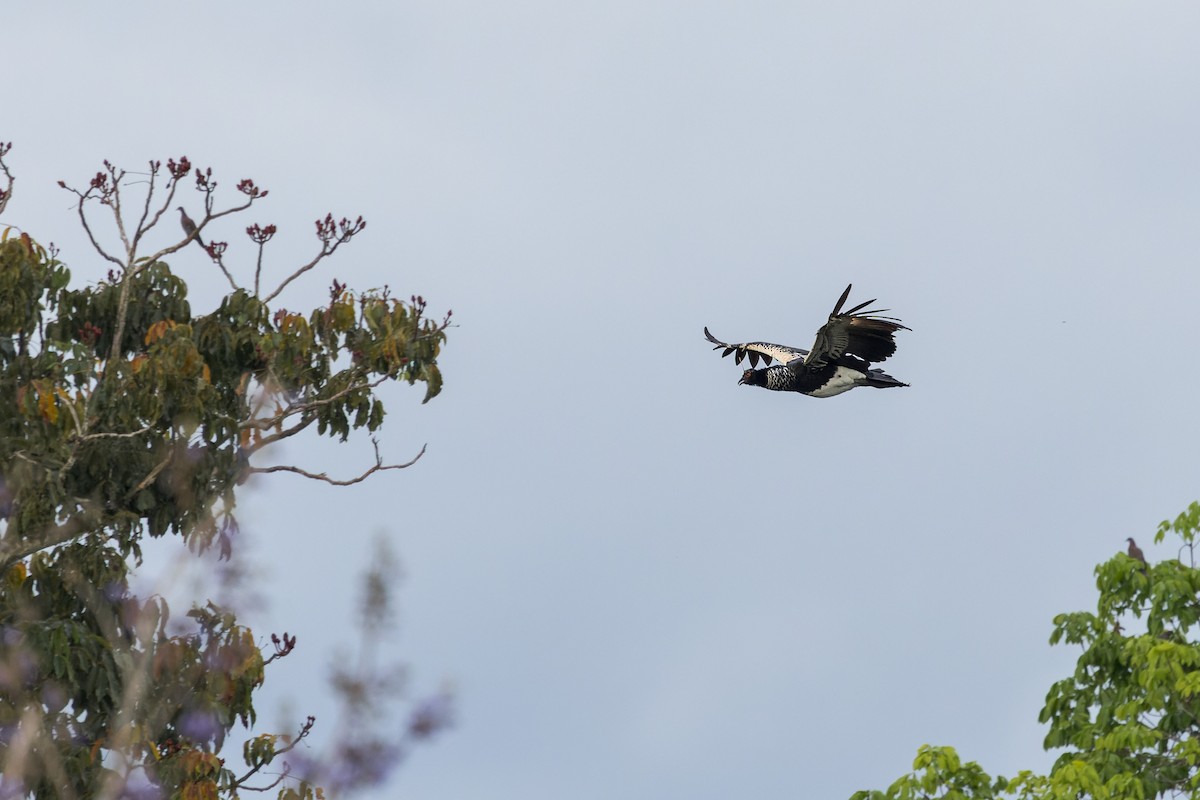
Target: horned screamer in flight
<point x="841" y="357"/>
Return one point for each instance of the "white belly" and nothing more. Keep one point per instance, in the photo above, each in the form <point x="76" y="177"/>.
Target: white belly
<point x="843" y="380"/>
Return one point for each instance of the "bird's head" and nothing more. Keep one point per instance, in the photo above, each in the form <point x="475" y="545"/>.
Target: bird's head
<point x="1129" y="539"/>
<point x="753" y="377"/>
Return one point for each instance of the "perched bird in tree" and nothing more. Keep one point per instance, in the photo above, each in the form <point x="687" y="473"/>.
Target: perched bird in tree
<point x="1135" y="552"/>
<point x="841" y="357"/>
<point x="188" y="226"/>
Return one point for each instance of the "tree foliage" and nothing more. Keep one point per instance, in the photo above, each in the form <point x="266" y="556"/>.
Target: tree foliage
<point x="126" y="414"/>
<point x="1127" y="721"/>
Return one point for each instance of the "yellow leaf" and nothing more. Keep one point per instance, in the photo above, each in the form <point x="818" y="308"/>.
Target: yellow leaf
<point x="48" y="405"/>
<point x="199" y="790"/>
<point x="16" y="574"/>
<point x="159" y="329"/>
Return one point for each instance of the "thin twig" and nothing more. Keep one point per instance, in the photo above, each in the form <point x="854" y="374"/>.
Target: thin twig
<point x="141" y="226"/>
<point x="240" y="782"/>
<point x="6" y="192"/>
<point x="115" y="205"/>
<point x="321" y="476"/>
<point x="284" y="434"/>
<point x="220" y="262"/>
<point x="324" y="252"/>
<point x="149" y="479"/>
<point x="329" y="244"/>
<point x="257" y="265"/>
<point x="83" y="196"/>
<point x="130" y="435"/>
<point x="270" y="422"/>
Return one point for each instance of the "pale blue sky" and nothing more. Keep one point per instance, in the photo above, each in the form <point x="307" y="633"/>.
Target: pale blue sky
<point x="644" y="580"/>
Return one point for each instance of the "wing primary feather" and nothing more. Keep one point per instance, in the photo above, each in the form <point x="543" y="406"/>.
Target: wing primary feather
<point x="763" y="352"/>
<point x="862" y="306"/>
<point x="841" y="301"/>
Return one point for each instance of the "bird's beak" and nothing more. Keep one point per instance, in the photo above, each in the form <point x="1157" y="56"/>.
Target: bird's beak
<point x="741" y="380"/>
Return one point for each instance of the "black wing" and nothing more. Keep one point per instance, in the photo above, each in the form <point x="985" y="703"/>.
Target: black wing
<point x="756" y="350"/>
<point x="855" y="332"/>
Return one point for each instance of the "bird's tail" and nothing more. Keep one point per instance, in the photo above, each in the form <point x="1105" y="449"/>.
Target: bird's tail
<point x="881" y="380"/>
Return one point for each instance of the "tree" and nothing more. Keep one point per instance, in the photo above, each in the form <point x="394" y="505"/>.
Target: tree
<point x="124" y="415"/>
<point x="1128" y="719"/>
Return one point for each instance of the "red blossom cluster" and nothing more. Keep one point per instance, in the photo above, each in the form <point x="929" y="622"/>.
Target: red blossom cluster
<point x="248" y="188"/>
<point x="204" y="181"/>
<point x="260" y="234"/>
<point x="341" y="231"/>
<point x="283" y="646"/>
<point x="178" y="169"/>
<point x="89" y="333"/>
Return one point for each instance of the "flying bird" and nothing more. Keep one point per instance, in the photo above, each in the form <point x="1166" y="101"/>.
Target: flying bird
<point x="189" y="227"/>
<point x="841" y="357"/>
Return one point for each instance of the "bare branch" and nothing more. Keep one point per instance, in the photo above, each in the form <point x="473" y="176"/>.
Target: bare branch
<point x="284" y="434"/>
<point x="321" y="476"/>
<point x="260" y="235"/>
<point x="216" y="251"/>
<point x="13" y="551"/>
<point x="6" y="192"/>
<point x="113" y="201"/>
<point x="132" y="434"/>
<point x="154" y="473"/>
<point x="74" y="417"/>
<point x="141" y="226"/>
<point x="83" y="197"/>
<point x="292" y="410"/>
<point x="122" y="314"/>
<point x="305" y="729"/>
<point x="178" y="170"/>
<point x="332" y="237"/>
<point x="287" y="773"/>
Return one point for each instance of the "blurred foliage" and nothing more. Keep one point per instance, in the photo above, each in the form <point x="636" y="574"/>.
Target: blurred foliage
<point x="1128" y="720"/>
<point x="105" y="442"/>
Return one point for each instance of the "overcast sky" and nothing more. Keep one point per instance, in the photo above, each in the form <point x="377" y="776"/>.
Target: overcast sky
<point x="644" y="580"/>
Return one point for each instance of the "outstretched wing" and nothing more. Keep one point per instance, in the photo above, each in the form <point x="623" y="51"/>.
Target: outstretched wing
<point x="756" y="350"/>
<point x="856" y="332"/>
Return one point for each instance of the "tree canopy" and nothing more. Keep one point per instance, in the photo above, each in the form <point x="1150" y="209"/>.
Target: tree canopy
<point x="126" y="414"/>
<point x="1127" y="721"/>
